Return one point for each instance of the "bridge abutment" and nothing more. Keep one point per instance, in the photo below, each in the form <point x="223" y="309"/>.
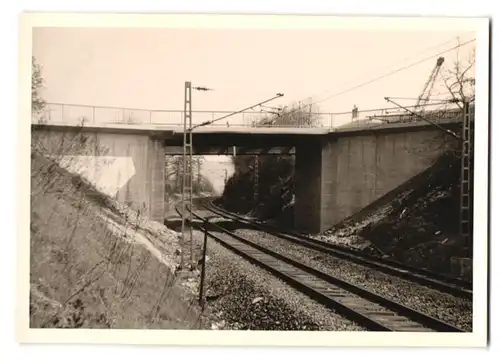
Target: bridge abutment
<point x="127" y="167"/>
<point x="340" y="175"/>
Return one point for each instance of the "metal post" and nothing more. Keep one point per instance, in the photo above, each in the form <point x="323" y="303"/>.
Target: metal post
<point x="202" y="281"/>
<point x="191" y="185"/>
<point x="465" y="201"/>
<point x="93" y="115"/>
<point x="183" y="186"/>
<point x="187" y="171"/>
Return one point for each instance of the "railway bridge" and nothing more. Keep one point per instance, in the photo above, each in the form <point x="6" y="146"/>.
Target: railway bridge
<point x="339" y="170"/>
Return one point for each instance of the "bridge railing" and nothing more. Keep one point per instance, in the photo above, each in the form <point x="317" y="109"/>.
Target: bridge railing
<point x="72" y="114"/>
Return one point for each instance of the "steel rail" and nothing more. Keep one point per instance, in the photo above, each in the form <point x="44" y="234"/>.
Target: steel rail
<point x="368" y="309"/>
<point x="453" y="286"/>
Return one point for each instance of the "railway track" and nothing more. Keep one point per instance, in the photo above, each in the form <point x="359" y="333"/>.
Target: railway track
<point x="371" y="310"/>
<point x="455" y="287"/>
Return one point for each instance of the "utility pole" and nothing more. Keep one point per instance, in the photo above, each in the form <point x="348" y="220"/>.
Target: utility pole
<point x="466" y="139"/>
<point x="187" y="172"/>
<point x="465" y="178"/>
<point x="187" y="183"/>
<point x="187" y="176"/>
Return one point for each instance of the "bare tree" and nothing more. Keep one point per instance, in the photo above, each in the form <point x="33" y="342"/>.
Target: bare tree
<point x="173" y="169"/>
<point x="37" y="83"/>
<point x="294" y="116"/>
<point x="173" y="174"/>
<point x="460" y="80"/>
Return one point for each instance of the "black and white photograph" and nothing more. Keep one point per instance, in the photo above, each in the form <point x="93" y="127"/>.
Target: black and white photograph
<point x="228" y="174"/>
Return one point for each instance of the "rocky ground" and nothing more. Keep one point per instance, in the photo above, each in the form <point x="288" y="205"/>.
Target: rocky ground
<point x="241" y="296"/>
<point x="451" y="309"/>
<point x="246" y="297"/>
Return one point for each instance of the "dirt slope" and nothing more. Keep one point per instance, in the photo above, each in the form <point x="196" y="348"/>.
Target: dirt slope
<point x="97" y="264"/>
<point x="417" y="223"/>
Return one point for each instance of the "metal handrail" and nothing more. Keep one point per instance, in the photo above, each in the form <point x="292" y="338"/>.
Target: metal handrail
<point x="97" y="114"/>
<point x="222" y="111"/>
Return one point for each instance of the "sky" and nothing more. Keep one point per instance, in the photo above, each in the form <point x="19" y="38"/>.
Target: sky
<point x="147" y="68"/>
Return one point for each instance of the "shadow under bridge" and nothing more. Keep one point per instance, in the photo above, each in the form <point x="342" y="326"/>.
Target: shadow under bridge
<point x="238" y="144"/>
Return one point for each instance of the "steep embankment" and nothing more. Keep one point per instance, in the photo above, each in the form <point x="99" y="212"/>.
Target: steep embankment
<point x="95" y="263"/>
<point x="417" y="223"/>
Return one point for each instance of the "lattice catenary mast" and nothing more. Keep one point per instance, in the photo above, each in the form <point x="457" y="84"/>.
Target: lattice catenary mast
<point x="465" y="177"/>
<point x="187" y="174"/>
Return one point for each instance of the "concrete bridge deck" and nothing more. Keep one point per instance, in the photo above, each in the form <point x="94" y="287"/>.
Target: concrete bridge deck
<point x="240" y="140"/>
<point x="338" y="170"/>
<point x="171" y="132"/>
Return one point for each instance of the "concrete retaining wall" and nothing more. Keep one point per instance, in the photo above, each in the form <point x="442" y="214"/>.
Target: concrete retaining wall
<point x="129" y="168"/>
<point x="347" y="173"/>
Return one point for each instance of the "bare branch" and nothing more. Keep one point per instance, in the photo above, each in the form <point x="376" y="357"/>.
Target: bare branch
<point x="458" y="83"/>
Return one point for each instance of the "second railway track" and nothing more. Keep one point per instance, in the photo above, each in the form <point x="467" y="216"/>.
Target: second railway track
<point x="439" y="282"/>
<point x="368" y="309"/>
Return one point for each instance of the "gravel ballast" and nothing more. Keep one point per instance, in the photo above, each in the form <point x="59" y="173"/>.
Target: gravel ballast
<point x="242" y="296"/>
<point x="453" y="310"/>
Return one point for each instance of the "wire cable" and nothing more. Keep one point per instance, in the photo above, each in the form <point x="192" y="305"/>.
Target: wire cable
<point x="396" y="71"/>
<point x="396" y="62"/>
<point x="386" y="75"/>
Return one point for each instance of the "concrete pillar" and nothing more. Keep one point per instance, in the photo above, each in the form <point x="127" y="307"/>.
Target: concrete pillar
<point x="329" y="184"/>
<point x="315" y="185"/>
<point x="308" y="166"/>
<point x="157" y="187"/>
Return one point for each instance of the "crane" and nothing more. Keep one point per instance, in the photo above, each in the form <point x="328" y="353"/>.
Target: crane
<point x="426" y="92"/>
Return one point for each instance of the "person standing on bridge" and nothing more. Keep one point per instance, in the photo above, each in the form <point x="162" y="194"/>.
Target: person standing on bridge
<point x="354" y="113"/>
